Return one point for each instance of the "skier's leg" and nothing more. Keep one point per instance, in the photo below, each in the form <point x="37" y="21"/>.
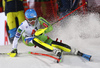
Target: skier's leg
<point x="69" y="50"/>
<point x="65" y="48"/>
<point x="61" y="46"/>
<point x="42" y="45"/>
<point x="46" y="46"/>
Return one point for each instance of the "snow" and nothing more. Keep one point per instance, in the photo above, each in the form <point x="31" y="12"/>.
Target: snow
<point x="81" y="32"/>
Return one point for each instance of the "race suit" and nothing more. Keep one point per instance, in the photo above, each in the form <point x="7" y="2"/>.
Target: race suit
<point x="41" y="40"/>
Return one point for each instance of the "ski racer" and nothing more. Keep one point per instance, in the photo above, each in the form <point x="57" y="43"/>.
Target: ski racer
<point x="32" y="35"/>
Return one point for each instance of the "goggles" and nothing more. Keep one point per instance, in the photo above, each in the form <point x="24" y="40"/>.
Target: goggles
<point x="31" y="19"/>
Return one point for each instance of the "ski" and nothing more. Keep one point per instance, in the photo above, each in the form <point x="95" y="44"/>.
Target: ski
<point x="11" y="54"/>
<point x="58" y="59"/>
<point x="3" y="53"/>
<point x="34" y="53"/>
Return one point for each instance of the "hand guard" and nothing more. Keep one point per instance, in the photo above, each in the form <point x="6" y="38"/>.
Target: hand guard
<point x="28" y="40"/>
<point x="13" y="53"/>
<point x="40" y="31"/>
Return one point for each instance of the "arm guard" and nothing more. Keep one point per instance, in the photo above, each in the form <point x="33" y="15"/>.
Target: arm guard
<point x="45" y="23"/>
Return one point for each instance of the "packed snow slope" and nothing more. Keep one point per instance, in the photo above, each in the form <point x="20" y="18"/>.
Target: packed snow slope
<point x="79" y="31"/>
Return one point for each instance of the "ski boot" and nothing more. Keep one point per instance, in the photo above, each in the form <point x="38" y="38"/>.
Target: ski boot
<point x="88" y="57"/>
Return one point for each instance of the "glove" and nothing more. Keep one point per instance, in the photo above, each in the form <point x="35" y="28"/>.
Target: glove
<point x="13" y="53"/>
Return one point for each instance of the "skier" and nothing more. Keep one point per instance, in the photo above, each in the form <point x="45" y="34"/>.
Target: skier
<point x="32" y="35"/>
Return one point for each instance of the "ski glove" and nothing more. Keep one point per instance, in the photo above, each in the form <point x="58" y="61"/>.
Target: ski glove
<point x="13" y="53"/>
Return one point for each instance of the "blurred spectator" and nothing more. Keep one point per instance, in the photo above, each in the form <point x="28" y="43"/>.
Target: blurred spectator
<point x="1" y="8"/>
<point x="94" y="6"/>
<point x="65" y="6"/>
<point x="45" y="8"/>
<point x="83" y="9"/>
<point x="15" y="12"/>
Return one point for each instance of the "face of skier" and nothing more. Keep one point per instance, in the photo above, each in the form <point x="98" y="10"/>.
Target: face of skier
<point x="32" y="21"/>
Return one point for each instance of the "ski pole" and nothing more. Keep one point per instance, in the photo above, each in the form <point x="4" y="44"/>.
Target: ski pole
<point x="69" y="13"/>
<point x="34" y="53"/>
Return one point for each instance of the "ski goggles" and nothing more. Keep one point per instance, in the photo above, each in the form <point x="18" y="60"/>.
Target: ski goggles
<point x="31" y="19"/>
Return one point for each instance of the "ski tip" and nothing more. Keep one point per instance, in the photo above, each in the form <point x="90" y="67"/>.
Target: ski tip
<point x="90" y="58"/>
<point x="12" y="54"/>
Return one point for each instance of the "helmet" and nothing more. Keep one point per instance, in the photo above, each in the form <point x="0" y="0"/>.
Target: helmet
<point x="30" y="13"/>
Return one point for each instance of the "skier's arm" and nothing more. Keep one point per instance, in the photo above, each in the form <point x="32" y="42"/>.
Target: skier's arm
<point x="45" y="23"/>
<point x="17" y="36"/>
<point x="20" y="30"/>
<point x="49" y="28"/>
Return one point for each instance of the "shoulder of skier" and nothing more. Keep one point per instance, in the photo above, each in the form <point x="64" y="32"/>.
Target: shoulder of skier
<point x="23" y="25"/>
